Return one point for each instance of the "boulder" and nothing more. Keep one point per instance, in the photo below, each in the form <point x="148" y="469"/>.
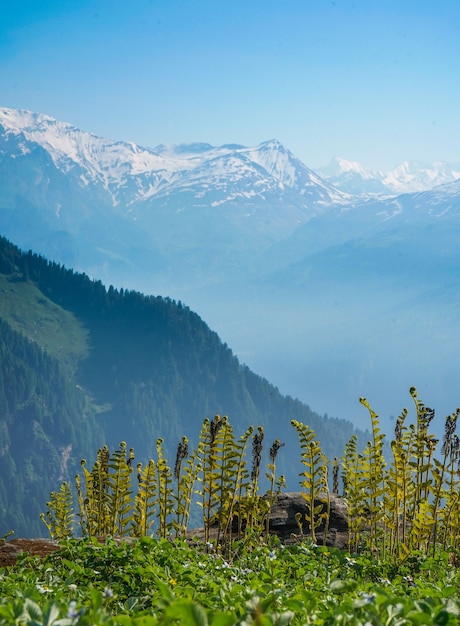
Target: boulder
<point x="284" y="524"/>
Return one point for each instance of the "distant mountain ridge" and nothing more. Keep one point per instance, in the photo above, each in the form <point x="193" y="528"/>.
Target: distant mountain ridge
<point x="407" y="177"/>
<point x="59" y="186"/>
<point x="160" y="171"/>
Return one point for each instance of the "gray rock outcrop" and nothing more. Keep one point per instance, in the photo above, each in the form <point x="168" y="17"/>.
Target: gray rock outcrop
<point x="283" y="521"/>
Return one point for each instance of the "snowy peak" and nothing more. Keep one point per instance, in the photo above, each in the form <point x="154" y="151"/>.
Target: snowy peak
<point x="353" y="178"/>
<point x="277" y="161"/>
<point x="408" y="177"/>
<point x="413" y="176"/>
<point x="339" y="166"/>
<point x="99" y="160"/>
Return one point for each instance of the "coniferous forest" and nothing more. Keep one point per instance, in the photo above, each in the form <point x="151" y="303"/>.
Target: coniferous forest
<point x="82" y="365"/>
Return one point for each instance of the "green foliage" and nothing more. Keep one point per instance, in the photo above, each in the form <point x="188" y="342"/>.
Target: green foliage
<point x="411" y="504"/>
<point x="231" y="505"/>
<point x="59" y="517"/>
<point x="209" y="451"/>
<point x="227" y="495"/>
<point x="153" y="582"/>
<point x="119" y="492"/>
<point x="145" y="501"/>
<point x="313" y="479"/>
<point x="403" y="527"/>
<point x="354" y="490"/>
<point x="186" y="475"/>
<point x="165" y="492"/>
<point x="373" y="479"/>
<point x="273" y="481"/>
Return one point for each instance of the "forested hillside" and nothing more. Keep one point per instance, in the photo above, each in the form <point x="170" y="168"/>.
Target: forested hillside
<point x="82" y="365"/>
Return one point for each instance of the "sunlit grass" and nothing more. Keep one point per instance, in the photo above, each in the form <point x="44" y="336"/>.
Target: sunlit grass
<point x="30" y="312"/>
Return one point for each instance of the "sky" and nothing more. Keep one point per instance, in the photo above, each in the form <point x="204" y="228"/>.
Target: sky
<point x="373" y="81"/>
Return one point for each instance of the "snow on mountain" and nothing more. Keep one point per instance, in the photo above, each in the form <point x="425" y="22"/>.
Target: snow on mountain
<point x="237" y="171"/>
<point x="99" y="160"/>
<point x="339" y="166"/>
<point x="107" y="206"/>
<point x="353" y="178"/>
<point x="413" y="176"/>
<point x="133" y="174"/>
<point x="408" y="177"/>
<point x="290" y="171"/>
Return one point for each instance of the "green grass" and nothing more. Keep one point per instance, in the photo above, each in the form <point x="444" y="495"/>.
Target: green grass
<point x="28" y="311"/>
<point x="152" y="581"/>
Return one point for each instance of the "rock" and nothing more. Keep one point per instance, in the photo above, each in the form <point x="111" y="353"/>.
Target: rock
<point x="10" y="550"/>
<point x="284" y="524"/>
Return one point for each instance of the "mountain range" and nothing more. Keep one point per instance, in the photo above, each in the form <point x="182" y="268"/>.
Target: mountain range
<point x="407" y="177"/>
<point x="332" y="284"/>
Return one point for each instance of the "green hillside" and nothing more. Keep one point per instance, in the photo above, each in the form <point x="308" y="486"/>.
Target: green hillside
<point x="82" y="366"/>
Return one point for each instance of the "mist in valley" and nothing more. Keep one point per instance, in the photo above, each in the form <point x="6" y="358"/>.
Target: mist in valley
<point x="329" y="343"/>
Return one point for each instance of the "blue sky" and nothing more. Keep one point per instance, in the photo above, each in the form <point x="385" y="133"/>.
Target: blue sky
<point x="377" y="81"/>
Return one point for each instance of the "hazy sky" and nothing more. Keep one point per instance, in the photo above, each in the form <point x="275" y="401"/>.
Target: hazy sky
<point x="377" y="81"/>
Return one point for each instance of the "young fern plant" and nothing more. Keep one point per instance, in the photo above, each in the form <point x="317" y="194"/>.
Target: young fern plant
<point x="119" y="502"/>
<point x="207" y="454"/>
<point x="335" y="476"/>
<point x="327" y="495"/>
<point x="373" y="468"/>
<point x="420" y="517"/>
<point x="271" y="477"/>
<point x="231" y="479"/>
<point x="58" y="519"/>
<point x="85" y="511"/>
<point x="145" y="502"/>
<point x="450" y="513"/>
<point x="255" y="508"/>
<point x="399" y="488"/>
<point x="440" y="470"/>
<point x="165" y="493"/>
<point x="239" y="486"/>
<point x="354" y="486"/>
<point x="100" y="492"/>
<point x="313" y="479"/>
<point x="225" y="472"/>
<point x="185" y="476"/>
<point x="93" y="496"/>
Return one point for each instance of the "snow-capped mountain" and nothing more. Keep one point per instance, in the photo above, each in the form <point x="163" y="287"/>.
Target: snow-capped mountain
<point x="413" y="176"/>
<point x="132" y="174"/>
<point x="81" y="195"/>
<point x="408" y="177"/>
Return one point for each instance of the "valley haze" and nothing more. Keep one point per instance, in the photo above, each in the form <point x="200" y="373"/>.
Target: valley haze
<point x="332" y="284"/>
